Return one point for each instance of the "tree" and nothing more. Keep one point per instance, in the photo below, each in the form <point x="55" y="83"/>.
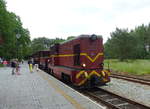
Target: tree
<point x="121" y="45"/>
<point x="109" y="53"/>
<point x="70" y="37"/>
<point x="142" y="35"/>
<point x="43" y="43"/>
<point x="10" y="25"/>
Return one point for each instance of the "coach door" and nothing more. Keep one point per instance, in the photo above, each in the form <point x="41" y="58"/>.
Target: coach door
<point x="76" y="50"/>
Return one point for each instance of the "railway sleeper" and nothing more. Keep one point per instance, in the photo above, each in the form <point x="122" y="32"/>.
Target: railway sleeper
<point x="122" y="104"/>
<point x="109" y="100"/>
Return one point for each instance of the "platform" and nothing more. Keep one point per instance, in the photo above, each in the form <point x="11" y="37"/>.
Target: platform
<point x="39" y="90"/>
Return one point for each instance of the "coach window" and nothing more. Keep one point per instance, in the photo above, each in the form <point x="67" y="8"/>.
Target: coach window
<point x="76" y="50"/>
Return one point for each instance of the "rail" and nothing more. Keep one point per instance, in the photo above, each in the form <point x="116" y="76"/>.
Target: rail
<point x="132" y="79"/>
<point x="111" y="100"/>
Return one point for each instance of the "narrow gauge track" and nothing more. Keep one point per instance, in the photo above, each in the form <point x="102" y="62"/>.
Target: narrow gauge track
<point x="112" y="101"/>
<point x="133" y="79"/>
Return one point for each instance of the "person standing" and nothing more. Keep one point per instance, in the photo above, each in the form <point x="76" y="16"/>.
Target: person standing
<point x="30" y="63"/>
<point x="36" y="66"/>
<point x="13" y="65"/>
<point x="17" y="68"/>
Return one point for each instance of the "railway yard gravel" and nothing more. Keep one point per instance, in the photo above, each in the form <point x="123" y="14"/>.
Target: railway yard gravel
<point x="133" y="91"/>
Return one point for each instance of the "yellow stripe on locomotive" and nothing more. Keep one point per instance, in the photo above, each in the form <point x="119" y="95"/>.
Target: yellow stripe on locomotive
<point x="85" y="76"/>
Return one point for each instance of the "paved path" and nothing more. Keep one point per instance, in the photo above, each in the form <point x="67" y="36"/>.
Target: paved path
<point x="22" y="91"/>
<point x="38" y="91"/>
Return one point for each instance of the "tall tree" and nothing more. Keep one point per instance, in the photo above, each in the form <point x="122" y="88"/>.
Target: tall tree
<point x="121" y="45"/>
<point x="142" y="34"/>
<point x="70" y="37"/>
<point x="10" y="26"/>
<point x="43" y="43"/>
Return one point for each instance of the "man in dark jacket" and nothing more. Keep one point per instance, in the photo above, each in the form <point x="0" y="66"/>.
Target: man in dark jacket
<point x="13" y="65"/>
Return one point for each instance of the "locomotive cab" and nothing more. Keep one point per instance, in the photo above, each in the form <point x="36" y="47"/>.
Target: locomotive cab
<point x="89" y="57"/>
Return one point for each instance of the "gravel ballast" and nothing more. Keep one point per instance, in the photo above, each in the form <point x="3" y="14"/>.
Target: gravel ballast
<point x="134" y="91"/>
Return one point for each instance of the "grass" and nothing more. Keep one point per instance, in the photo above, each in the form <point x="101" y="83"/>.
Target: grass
<point x="137" y="67"/>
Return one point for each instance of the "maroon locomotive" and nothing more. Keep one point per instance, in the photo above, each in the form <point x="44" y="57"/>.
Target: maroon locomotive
<point x="78" y="61"/>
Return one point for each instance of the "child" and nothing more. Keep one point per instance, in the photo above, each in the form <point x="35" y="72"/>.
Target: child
<point x="36" y="67"/>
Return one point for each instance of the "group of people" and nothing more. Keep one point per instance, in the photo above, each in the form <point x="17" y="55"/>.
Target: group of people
<point x="15" y="67"/>
<point x="32" y="64"/>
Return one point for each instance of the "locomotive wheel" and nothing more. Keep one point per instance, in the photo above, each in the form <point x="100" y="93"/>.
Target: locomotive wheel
<point x="65" y="78"/>
<point x="51" y="72"/>
<point x="48" y="71"/>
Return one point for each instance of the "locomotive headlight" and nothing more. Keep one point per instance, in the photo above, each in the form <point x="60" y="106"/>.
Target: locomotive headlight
<point x="84" y="65"/>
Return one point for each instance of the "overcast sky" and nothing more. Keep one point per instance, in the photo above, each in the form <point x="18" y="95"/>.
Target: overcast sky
<point x="62" y="18"/>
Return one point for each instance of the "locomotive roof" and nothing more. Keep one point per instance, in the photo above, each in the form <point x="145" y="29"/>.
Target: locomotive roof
<point x="78" y="37"/>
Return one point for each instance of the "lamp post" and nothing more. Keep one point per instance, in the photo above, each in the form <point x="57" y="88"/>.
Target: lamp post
<point x="17" y="36"/>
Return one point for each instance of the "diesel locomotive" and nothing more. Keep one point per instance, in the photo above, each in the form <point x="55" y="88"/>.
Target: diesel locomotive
<point x="79" y="61"/>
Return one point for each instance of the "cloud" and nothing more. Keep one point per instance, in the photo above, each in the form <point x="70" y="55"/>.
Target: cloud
<point x="62" y="18"/>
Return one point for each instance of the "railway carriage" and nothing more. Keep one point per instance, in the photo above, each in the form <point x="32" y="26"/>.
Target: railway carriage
<point x="79" y="61"/>
<point x="41" y="58"/>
